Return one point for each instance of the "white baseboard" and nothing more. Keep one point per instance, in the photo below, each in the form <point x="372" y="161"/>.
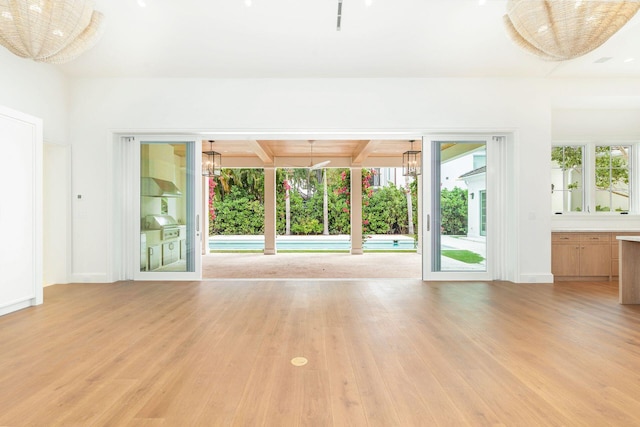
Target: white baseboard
<point x="15" y="306"/>
<point x="89" y="278"/>
<point x="535" y="278"/>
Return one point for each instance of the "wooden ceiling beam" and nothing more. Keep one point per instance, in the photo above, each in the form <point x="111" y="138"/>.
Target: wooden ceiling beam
<point x="262" y="150"/>
<point x="363" y="150"/>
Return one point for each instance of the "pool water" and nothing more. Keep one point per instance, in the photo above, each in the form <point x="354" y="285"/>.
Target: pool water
<point x="387" y="243"/>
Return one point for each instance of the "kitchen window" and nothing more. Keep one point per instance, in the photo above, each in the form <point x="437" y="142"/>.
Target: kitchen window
<point x="591" y="178"/>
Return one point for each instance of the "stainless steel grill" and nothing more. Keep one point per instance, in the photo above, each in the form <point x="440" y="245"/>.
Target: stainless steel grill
<point x="167" y="225"/>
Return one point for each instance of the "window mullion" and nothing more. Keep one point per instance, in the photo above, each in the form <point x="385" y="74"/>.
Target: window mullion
<point x="589" y="177"/>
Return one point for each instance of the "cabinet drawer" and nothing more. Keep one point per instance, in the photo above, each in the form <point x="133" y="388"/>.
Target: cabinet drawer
<point x="595" y="237"/>
<point x="565" y="237"/>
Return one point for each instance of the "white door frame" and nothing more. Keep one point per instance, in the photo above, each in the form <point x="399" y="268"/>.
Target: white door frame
<point x="132" y="226"/>
<point x="496" y="176"/>
<point x="122" y="250"/>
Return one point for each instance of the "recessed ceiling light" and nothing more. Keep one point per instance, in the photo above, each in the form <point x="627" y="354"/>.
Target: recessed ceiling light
<point x="482" y="2"/>
<point x="142" y="3"/>
<point x="248" y="3"/>
<point x="368" y="2"/>
<point x="629" y="60"/>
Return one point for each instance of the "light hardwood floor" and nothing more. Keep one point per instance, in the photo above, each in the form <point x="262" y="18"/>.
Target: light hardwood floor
<point x="381" y="353"/>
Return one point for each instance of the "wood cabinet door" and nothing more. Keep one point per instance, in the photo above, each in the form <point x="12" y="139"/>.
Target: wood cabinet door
<point x="565" y="260"/>
<point x="595" y="259"/>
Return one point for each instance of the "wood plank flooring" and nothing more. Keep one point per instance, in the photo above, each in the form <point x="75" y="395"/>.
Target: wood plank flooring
<point x="381" y="353"/>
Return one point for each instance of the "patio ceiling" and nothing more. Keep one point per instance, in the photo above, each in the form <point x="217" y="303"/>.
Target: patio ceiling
<point x="298" y="153"/>
<point x="341" y="153"/>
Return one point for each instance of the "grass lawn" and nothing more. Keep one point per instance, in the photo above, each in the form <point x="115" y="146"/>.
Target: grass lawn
<point x="463" y="255"/>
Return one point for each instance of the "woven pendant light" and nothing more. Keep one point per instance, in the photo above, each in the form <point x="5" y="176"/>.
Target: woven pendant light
<point x="53" y="31"/>
<point x="557" y="30"/>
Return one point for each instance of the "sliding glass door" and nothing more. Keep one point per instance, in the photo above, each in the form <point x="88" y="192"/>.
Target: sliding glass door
<point x="458" y="209"/>
<point x="167" y="210"/>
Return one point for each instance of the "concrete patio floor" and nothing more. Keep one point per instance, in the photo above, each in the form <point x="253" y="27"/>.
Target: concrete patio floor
<point x="330" y="265"/>
<point x="312" y="266"/>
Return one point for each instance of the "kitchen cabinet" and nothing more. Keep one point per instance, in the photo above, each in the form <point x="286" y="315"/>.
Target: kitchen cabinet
<point x="143" y="252"/>
<point x="581" y="256"/>
<point x="615" y="250"/>
<point x="170" y="252"/>
<point x="183" y="249"/>
<point x="155" y="257"/>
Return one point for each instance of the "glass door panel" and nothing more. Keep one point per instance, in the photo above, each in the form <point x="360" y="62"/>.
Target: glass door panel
<point x="169" y="237"/>
<point x="456" y="205"/>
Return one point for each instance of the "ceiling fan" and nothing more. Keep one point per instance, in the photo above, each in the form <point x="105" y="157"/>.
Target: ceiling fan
<point x="319" y="165"/>
<point x="313" y="166"/>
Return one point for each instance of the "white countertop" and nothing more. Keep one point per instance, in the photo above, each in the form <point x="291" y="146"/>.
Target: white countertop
<point x="629" y="238"/>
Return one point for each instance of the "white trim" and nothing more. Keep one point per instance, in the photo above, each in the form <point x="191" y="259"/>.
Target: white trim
<point x="90" y="278"/>
<point x="536" y="278"/>
<point x="17" y="305"/>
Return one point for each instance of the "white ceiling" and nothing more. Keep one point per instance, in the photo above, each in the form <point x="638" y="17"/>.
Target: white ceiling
<point x="298" y="39"/>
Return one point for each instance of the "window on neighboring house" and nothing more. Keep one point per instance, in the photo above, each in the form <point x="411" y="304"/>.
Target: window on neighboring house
<point x="591" y="178"/>
<point x="376" y="177"/>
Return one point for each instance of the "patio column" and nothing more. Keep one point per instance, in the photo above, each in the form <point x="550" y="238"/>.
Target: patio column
<point x="356" y="210"/>
<point x="269" y="210"/>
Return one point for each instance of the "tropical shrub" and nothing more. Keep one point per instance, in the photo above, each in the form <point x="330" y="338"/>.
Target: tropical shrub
<point x="237" y="213"/>
<point x="453" y="211"/>
<point x="238" y="203"/>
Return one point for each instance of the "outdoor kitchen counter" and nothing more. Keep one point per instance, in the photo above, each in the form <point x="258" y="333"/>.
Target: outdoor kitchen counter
<point x="629" y="281"/>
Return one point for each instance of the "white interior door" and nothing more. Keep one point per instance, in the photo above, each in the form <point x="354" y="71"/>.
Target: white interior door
<point x="167" y="208"/>
<point x="458" y="197"/>
<point x="20" y="210"/>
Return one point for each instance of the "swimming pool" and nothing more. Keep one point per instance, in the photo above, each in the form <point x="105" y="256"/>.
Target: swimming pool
<point x="302" y="243"/>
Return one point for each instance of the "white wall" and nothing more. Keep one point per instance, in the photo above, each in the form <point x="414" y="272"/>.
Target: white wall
<point x="579" y="118"/>
<point x="41" y="90"/>
<point x="36" y="89"/>
<point x="101" y="106"/>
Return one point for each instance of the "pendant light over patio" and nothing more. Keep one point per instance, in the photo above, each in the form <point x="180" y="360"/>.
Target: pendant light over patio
<point x="557" y="30"/>
<point x="411" y="162"/>
<point x="211" y="161"/>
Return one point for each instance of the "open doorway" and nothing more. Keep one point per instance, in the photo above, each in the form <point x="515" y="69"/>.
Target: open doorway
<point x="314" y="212"/>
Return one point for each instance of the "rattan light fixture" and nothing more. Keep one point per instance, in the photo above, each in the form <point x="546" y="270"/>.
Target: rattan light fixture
<point x="53" y="31"/>
<point x="558" y="30"/>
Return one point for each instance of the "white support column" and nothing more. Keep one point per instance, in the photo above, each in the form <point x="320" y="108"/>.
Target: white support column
<point x="269" y="210"/>
<point x="356" y="210"/>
